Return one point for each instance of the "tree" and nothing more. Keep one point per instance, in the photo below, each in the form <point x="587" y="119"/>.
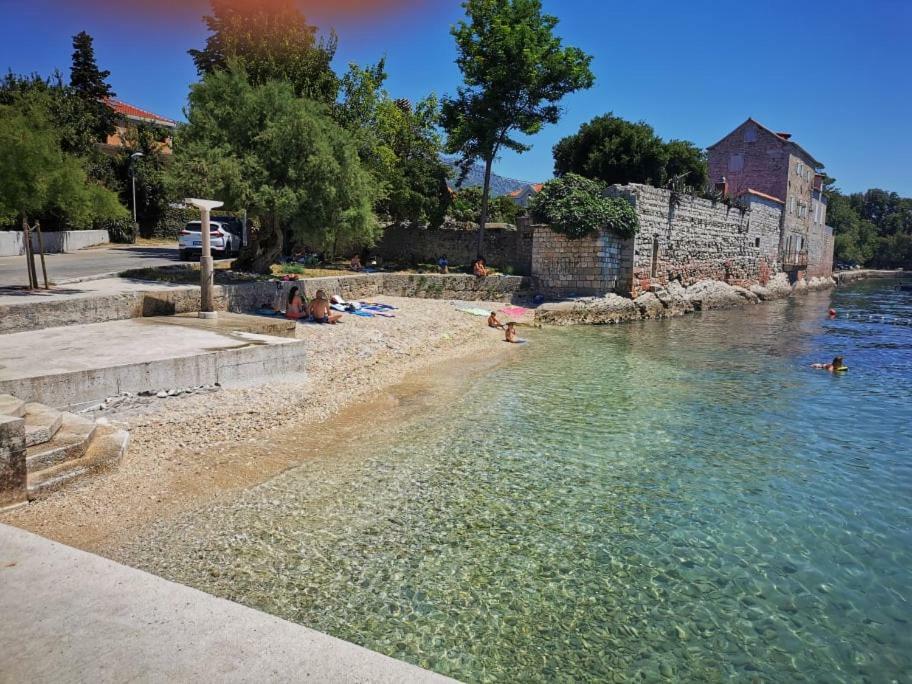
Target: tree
<point x="576" y="207"/>
<point x="515" y="72"/>
<point x="399" y="144"/>
<point x="280" y="157"/>
<point x="685" y="160"/>
<point x="36" y="176"/>
<point x="466" y="207"/>
<point x="273" y="41"/>
<point x="613" y="150"/>
<point x="89" y="86"/>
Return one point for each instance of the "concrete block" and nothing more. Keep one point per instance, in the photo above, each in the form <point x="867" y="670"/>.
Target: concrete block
<point x="13" y="473"/>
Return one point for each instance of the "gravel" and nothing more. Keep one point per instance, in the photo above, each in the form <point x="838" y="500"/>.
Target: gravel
<point x="183" y="450"/>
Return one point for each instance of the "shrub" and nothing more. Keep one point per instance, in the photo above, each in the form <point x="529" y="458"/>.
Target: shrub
<point x="577" y="207"/>
<point x="120" y="230"/>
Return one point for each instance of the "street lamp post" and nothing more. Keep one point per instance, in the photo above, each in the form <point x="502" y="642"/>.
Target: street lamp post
<point x="133" y="158"/>
<point x="205" y="207"/>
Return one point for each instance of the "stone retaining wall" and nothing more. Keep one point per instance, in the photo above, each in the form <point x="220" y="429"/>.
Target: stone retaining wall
<point x="592" y="265"/>
<point x="689" y="239"/>
<point x="504" y="248"/>
<point x="245" y="297"/>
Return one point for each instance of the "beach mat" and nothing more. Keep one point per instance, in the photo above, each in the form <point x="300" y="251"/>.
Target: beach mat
<point x="475" y="311"/>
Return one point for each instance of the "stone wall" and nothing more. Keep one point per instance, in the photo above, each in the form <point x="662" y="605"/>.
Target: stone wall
<point x="504" y="248"/>
<point x="695" y="239"/>
<point x="592" y="265"/>
<point x="820" y="251"/>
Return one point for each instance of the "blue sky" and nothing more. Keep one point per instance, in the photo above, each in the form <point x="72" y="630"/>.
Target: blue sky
<point x="837" y="75"/>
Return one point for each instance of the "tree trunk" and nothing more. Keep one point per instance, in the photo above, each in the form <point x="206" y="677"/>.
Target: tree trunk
<point x="29" y="255"/>
<point x="485" y="194"/>
<point x="263" y="249"/>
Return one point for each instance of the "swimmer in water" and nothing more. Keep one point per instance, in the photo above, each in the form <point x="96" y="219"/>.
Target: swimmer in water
<point x="834" y="367"/>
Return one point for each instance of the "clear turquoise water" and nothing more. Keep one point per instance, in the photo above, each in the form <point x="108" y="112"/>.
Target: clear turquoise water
<point x="679" y="500"/>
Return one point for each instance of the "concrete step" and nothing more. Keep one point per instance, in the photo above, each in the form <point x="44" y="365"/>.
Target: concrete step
<point x="70" y="442"/>
<point x="41" y="423"/>
<point x="107" y="447"/>
<point x="10" y="406"/>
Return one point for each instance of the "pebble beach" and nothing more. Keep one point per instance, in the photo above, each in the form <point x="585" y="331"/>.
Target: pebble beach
<point x="193" y="447"/>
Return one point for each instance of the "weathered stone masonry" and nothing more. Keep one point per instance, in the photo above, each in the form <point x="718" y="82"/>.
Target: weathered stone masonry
<point x="688" y="239"/>
<point x="587" y="266"/>
<point x="685" y="240"/>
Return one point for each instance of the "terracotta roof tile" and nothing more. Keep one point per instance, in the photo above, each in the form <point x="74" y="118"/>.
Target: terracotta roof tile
<point x="133" y="112"/>
<point x="757" y="193"/>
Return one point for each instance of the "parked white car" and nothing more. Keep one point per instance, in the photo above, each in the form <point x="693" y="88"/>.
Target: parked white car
<point x="225" y="236"/>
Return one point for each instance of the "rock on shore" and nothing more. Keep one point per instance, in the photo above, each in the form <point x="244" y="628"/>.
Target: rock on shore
<point x="671" y="300"/>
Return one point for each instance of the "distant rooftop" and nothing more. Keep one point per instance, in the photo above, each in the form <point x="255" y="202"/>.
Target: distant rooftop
<point x="136" y="114"/>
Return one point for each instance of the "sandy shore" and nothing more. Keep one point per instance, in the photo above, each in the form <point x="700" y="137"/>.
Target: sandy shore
<point x="187" y="450"/>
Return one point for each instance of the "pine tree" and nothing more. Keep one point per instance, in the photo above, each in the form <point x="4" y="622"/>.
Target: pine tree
<point x="85" y="77"/>
<point x="89" y="89"/>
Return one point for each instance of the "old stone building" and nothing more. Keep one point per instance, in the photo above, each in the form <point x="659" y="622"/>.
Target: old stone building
<point x="755" y="159"/>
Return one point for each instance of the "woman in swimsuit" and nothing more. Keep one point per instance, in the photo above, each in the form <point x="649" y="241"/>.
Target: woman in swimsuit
<point x="296" y="308"/>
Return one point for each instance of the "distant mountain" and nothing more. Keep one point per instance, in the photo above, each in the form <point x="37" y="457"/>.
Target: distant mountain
<point x="500" y="185"/>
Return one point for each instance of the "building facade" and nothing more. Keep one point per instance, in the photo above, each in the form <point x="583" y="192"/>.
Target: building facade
<point x="128" y="116"/>
<point x="755" y="159"/>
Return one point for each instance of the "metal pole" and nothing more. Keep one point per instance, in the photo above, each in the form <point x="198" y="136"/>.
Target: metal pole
<point x="133" y="175"/>
<point x="206" y="308"/>
<point x="41" y="252"/>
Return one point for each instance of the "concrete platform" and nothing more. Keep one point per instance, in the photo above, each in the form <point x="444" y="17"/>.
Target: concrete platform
<point x="76" y="364"/>
<point x="70" y="616"/>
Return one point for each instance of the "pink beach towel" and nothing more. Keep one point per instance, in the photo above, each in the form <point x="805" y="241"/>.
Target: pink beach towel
<point x="514" y="311"/>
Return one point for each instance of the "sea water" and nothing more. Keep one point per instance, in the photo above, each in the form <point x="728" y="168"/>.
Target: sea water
<point x="677" y="500"/>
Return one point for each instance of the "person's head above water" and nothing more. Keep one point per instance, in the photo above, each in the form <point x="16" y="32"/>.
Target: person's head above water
<point x="838" y="362"/>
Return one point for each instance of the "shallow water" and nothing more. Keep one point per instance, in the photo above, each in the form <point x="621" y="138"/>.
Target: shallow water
<point x="667" y="500"/>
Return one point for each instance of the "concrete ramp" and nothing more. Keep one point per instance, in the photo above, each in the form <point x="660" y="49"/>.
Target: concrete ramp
<point x="70" y="616"/>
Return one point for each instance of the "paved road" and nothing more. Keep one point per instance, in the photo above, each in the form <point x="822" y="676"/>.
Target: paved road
<point x="87" y="263"/>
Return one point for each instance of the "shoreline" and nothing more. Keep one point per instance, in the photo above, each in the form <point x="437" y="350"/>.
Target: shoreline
<point x="189" y="450"/>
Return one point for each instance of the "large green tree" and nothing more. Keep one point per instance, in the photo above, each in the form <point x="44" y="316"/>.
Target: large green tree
<point x="614" y="150"/>
<point x="273" y="41"/>
<point x="280" y="157"/>
<point x="38" y="179"/>
<point x="872" y="228"/>
<point x="515" y="71"/>
<point x="398" y="143"/>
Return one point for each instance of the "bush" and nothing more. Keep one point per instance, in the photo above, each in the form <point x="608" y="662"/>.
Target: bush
<point x="120" y="230"/>
<point x="577" y="207"/>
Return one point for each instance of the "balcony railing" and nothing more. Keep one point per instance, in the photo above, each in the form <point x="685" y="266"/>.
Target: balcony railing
<point x="795" y="259"/>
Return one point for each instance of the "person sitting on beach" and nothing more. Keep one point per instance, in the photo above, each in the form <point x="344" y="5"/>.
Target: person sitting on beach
<point x="443" y="264"/>
<point x="834" y="367"/>
<point x="296" y="307"/>
<point x="479" y="269"/>
<point x="493" y="322"/>
<point x="510" y="335"/>
<point x="356" y="263"/>
<point x="320" y="311"/>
